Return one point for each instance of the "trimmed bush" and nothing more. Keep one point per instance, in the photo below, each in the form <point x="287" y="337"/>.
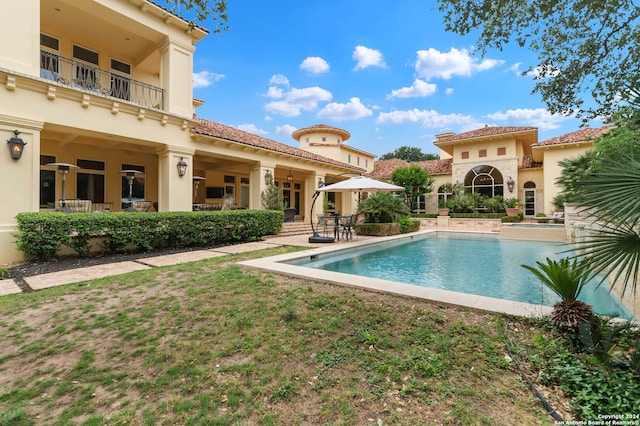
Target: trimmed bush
<point x="42" y="235"/>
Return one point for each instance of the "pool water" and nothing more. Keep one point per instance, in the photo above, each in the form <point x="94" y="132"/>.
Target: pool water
<point x="466" y="263"/>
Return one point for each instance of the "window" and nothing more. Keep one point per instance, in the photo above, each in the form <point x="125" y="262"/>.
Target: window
<point x="229" y="179"/>
<point x="349" y="158"/>
<point x="49" y="59"/>
<point x="47" y="182"/>
<point x="464" y="155"/>
<point x="482" y="153"/>
<point x="324" y="139"/>
<point x="90" y="181"/>
<point x="86" y="76"/>
<point x="358" y="161"/>
<point x="120" y="81"/>
<point x="502" y="151"/>
<point x="484" y="180"/>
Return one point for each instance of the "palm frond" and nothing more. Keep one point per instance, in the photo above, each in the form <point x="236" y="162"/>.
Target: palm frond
<point x="614" y="248"/>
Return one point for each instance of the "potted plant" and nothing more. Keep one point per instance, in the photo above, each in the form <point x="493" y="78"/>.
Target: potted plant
<point x="511" y="206"/>
<point x="443" y="210"/>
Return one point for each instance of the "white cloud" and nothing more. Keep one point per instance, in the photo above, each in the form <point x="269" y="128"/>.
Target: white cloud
<point x="252" y="128"/>
<point x="539" y="117"/>
<point x="515" y="67"/>
<point x="352" y="110"/>
<point x="274" y="92"/>
<point x="419" y="89"/>
<point x="427" y="118"/>
<point x="279" y="79"/>
<point x="314" y="65"/>
<point x="432" y="63"/>
<point x="297" y="100"/>
<point x="285" y="130"/>
<point x="366" y="57"/>
<point x="449" y="91"/>
<point x="205" y="78"/>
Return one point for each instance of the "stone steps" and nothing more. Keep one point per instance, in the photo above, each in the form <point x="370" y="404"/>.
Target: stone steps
<point x="294" y="228"/>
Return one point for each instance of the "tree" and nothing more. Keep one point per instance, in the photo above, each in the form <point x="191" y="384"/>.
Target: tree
<point x="410" y="154"/>
<point x="584" y="47"/>
<point x="416" y="182"/>
<point x="272" y="198"/>
<point x="201" y="10"/>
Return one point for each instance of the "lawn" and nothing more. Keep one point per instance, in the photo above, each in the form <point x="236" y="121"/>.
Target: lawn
<point x="211" y="343"/>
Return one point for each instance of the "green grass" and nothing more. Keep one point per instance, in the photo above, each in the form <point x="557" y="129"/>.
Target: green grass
<point x="211" y="343"/>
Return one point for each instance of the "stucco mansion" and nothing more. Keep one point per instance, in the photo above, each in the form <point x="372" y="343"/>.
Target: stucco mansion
<point x="97" y="104"/>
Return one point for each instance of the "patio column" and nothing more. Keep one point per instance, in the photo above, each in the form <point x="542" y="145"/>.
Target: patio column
<point x="257" y="183"/>
<point x="175" y="192"/>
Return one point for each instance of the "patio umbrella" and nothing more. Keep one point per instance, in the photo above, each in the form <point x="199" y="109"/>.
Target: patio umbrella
<point x="360" y="184"/>
<point x="354" y="184"/>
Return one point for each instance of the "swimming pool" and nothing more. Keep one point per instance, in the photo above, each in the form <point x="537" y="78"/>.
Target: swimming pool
<point x="478" y="264"/>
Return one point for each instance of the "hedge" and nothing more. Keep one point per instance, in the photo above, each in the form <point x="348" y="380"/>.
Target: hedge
<point x="42" y="235"/>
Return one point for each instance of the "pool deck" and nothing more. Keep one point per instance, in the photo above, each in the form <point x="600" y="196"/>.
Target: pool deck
<point x="274" y="265"/>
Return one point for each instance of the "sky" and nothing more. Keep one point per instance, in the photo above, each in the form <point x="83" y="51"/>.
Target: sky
<point x="387" y="72"/>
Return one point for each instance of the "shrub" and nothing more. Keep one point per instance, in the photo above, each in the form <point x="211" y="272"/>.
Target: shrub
<point x="382" y="207"/>
<point x="42" y="235"/>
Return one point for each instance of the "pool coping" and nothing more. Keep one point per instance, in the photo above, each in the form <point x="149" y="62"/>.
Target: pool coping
<point x="274" y="264"/>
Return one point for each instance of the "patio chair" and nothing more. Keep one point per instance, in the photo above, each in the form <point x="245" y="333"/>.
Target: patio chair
<point x="101" y="207"/>
<point x="348" y="223"/>
<point x="323" y="222"/>
<point x="78" y="205"/>
<point x="141" y="206"/>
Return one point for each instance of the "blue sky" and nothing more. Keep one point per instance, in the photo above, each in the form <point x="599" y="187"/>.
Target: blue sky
<point x="387" y="72"/>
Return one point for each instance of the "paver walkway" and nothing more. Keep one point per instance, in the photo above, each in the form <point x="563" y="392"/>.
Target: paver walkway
<point x="52" y="279"/>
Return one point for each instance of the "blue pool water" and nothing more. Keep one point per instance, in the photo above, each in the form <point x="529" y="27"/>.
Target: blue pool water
<point x="465" y="263"/>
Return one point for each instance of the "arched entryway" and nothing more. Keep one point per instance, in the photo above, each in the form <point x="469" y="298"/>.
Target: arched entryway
<point x="484" y="180"/>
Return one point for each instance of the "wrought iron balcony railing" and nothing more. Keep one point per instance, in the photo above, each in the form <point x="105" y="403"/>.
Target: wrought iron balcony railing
<point x="92" y="79"/>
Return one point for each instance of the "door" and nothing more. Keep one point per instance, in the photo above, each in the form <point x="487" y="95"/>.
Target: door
<point x="529" y="202"/>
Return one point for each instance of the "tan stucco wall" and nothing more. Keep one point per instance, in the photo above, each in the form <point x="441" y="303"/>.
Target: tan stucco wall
<point x="552" y="171"/>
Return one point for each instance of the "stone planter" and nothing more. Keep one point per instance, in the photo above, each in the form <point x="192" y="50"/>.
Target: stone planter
<point x="512" y="211"/>
<point x="378" y="229"/>
<point x="443" y="212"/>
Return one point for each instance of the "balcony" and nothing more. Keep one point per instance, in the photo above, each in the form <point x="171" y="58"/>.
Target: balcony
<point x="91" y="79"/>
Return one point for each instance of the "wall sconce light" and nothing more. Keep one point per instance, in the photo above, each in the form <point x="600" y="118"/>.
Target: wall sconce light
<point x="510" y="184"/>
<point x="268" y="177"/>
<point x="182" y="167"/>
<point x="16" y="146"/>
<point x="289" y="177"/>
<point x="320" y="182"/>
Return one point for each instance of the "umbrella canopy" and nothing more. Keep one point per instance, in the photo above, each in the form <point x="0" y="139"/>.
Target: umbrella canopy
<point x="360" y="184"/>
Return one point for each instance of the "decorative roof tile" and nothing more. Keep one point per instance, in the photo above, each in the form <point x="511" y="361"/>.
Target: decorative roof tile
<point x="528" y="163"/>
<point x="384" y="168"/>
<point x="220" y="131"/>
<point x="318" y="128"/>
<point x="484" y="132"/>
<point x="581" y="135"/>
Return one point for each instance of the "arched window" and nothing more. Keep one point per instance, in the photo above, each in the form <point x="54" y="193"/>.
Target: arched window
<point x="529" y="198"/>
<point x="484" y="180"/>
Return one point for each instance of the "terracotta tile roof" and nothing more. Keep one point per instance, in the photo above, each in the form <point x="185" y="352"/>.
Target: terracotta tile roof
<point x="484" y="132"/>
<point x="384" y="168"/>
<point x="581" y="135"/>
<point x="220" y="131"/>
<point x="528" y="163"/>
<point x="321" y="127"/>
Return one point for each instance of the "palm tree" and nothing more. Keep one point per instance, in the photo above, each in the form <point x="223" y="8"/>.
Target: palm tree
<point x="566" y="278"/>
<point x="612" y="195"/>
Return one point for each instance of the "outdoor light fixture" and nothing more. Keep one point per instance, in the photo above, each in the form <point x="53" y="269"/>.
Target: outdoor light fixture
<point x="131" y="176"/>
<point x="182" y="167"/>
<point x="320" y="182"/>
<point x="63" y="169"/>
<point x="196" y="183"/>
<point x="510" y="184"/>
<point x="16" y="146"/>
<point x="268" y="177"/>
<point x="289" y="177"/>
